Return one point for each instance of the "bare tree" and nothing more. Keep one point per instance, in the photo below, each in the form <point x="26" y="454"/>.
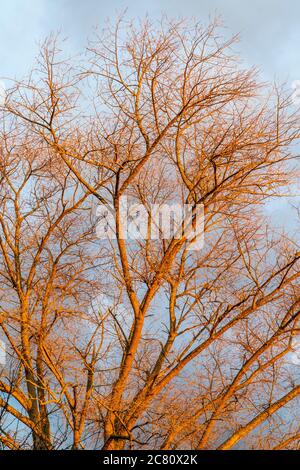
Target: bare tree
<point x="193" y="349"/>
<point x="46" y="255"/>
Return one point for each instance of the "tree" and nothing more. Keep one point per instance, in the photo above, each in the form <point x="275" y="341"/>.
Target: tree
<point x="192" y="349"/>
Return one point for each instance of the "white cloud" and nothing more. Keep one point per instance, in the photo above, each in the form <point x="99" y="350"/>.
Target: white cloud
<point x="2" y="92"/>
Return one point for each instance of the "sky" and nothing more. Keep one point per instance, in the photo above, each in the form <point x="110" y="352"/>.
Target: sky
<point x="269" y="31"/>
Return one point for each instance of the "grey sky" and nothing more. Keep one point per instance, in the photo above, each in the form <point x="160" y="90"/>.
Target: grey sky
<point x="270" y="32"/>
